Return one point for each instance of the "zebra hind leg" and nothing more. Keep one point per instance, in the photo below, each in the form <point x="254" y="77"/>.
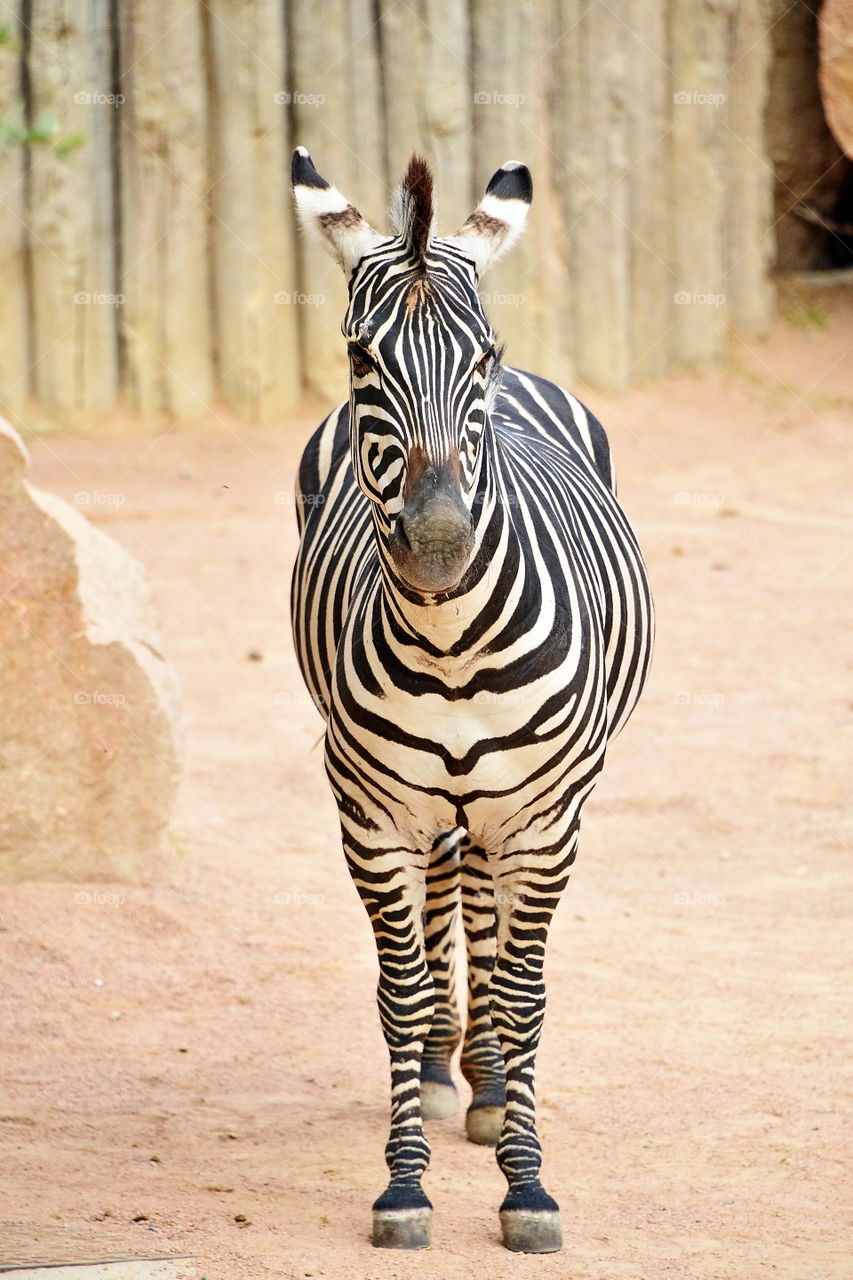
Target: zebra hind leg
<point x="482" y="1057"/>
<point x="438" y="1092"/>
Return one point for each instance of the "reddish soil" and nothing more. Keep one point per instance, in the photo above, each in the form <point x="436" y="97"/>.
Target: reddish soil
<point x="206" y="1051"/>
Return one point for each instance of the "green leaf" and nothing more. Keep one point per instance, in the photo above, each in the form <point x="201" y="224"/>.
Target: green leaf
<point x="69" y="143"/>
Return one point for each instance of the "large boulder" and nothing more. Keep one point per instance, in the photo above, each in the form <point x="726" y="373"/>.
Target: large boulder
<point x="88" y="705"/>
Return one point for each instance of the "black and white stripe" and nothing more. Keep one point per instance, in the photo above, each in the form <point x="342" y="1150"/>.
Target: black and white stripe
<point x="466" y="726"/>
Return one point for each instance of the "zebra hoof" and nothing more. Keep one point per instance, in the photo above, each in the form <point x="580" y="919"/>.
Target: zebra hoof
<point x="402" y="1228"/>
<point x="531" y="1230"/>
<point x="483" y="1125"/>
<point x="438" y="1100"/>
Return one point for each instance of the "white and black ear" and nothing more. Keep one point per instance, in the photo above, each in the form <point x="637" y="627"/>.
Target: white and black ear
<point x="499" y="218"/>
<point x="323" y="212"/>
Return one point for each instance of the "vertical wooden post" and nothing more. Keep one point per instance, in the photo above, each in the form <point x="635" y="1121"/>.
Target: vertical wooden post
<point x="427" y="99"/>
<point x="164" y="180"/>
<point x="334" y="83"/>
<point x="649" y="112"/>
<point x="749" y="244"/>
<point x="14" y="347"/>
<point x="596" y="77"/>
<point x="447" y="108"/>
<point x="699" y="58"/>
<point x="526" y="295"/>
<point x="251" y="227"/>
<point x="70" y="208"/>
<point x="402" y="67"/>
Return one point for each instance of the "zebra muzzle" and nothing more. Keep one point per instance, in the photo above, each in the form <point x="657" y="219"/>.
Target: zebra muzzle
<point x="432" y="539"/>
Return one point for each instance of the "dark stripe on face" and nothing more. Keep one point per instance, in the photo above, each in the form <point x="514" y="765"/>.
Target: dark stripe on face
<point x="421" y="385"/>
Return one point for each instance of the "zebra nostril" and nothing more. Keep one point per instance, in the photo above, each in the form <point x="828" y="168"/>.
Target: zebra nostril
<point x="402" y="536"/>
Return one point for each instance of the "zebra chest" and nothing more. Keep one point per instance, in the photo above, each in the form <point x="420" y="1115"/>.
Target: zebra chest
<point x="445" y="737"/>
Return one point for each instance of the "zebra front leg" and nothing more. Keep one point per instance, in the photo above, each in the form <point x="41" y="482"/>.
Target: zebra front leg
<point x="527" y="890"/>
<point x="438" y="1092"/>
<point x="402" y="1216"/>
<point x="482" y="1056"/>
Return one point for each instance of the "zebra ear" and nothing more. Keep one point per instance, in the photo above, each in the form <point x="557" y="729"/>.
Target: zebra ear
<point x="499" y="218"/>
<point x="323" y="212"/>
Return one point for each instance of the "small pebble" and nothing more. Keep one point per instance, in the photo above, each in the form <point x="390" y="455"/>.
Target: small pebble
<point x="140" y="1217"/>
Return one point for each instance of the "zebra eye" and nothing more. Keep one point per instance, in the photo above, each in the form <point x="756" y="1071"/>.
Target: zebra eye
<point x="360" y="362"/>
<point x="487" y="359"/>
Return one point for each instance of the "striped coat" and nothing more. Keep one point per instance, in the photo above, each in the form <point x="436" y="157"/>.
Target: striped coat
<point x="442" y="734"/>
<point x="472" y="617"/>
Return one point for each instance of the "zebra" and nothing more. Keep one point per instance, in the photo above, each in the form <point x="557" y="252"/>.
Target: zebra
<point x="472" y="616"/>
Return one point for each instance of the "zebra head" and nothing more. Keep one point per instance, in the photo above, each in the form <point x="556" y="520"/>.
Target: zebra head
<point x="424" y="366"/>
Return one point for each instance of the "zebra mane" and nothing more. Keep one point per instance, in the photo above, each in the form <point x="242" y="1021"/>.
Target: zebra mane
<point x="412" y="209"/>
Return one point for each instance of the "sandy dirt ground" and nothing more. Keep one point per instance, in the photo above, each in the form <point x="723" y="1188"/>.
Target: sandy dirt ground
<point x="196" y="1067"/>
